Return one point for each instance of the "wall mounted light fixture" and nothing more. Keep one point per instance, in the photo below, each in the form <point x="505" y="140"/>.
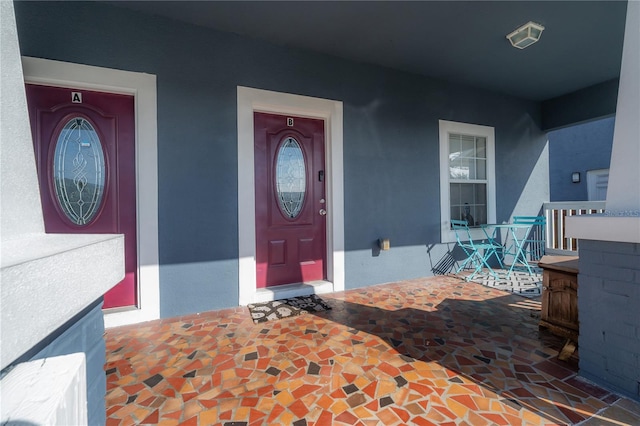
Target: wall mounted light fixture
<point x="384" y="244"/>
<point x="575" y="177"/>
<point x="526" y="35"/>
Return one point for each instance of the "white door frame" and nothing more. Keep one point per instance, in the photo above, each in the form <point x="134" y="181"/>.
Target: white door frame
<point x="143" y="87"/>
<point x="594" y="179"/>
<point x="250" y="100"/>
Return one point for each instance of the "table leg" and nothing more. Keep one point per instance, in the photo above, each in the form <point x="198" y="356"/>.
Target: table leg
<point x="519" y="254"/>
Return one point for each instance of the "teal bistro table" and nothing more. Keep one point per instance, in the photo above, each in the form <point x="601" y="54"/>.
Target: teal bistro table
<point x="512" y="237"/>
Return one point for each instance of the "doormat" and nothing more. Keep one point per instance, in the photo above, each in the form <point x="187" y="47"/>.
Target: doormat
<point x="284" y="308"/>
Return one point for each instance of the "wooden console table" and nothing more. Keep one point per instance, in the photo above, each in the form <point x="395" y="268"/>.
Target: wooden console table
<point x="560" y="295"/>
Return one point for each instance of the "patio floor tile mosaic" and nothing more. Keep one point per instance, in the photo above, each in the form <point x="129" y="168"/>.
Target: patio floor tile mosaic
<point x="431" y="351"/>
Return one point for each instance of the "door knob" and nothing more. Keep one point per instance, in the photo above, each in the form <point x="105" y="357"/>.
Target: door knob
<point x="322" y="212"/>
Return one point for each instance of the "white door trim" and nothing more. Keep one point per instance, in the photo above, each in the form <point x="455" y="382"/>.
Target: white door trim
<point x="250" y="100"/>
<point x="143" y="87"/>
<point x="596" y="181"/>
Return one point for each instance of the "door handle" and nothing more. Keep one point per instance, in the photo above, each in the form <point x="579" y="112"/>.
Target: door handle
<point x="322" y="212"/>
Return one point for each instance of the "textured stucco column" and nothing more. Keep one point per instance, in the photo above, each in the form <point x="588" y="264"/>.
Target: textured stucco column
<point x="623" y="193"/>
<point x="21" y="210"/>
<point x="621" y="222"/>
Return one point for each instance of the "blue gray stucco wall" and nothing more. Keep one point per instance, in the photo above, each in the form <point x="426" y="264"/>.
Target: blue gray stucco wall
<point x="83" y="333"/>
<point x="391" y="167"/>
<point x="590" y="103"/>
<point x="578" y="148"/>
<point x="608" y="300"/>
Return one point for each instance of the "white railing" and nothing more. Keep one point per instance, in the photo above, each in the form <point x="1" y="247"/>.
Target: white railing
<point x="556" y="214"/>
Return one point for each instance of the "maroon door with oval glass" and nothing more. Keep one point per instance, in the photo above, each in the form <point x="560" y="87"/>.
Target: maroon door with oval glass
<point x="84" y="143"/>
<point x="290" y="200"/>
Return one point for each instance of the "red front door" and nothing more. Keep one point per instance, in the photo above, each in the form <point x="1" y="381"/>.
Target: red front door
<point x="290" y="199"/>
<point x="84" y="143"/>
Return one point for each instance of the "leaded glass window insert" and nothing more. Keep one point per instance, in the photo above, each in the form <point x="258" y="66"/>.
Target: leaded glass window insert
<point x="468" y="178"/>
<point x="291" y="181"/>
<point x="79" y="171"/>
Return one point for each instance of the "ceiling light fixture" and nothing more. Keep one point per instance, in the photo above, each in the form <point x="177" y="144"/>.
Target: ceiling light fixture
<point x="526" y="35"/>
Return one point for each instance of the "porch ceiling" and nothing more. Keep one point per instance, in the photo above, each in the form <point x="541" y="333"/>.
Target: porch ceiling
<point x="458" y="41"/>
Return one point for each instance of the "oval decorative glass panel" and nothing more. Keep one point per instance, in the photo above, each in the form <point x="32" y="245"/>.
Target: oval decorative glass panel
<point x="79" y="171"/>
<point x="291" y="181"/>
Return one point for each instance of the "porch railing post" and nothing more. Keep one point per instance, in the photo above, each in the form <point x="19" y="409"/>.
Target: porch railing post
<point x="555" y="212"/>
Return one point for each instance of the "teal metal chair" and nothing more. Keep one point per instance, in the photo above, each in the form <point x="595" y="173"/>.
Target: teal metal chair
<point x="478" y="253"/>
<point x="535" y="241"/>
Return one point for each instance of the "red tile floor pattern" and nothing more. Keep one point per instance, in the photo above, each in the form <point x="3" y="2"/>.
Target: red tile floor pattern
<point x="433" y="351"/>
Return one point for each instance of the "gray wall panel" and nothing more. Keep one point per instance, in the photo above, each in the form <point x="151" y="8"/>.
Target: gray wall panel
<point x="608" y="298"/>
<point x="85" y="335"/>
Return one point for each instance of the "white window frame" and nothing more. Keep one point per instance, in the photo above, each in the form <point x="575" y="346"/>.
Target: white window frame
<point x="446" y="128"/>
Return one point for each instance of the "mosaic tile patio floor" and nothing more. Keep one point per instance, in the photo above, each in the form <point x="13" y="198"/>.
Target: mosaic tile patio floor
<point x="433" y="351"/>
